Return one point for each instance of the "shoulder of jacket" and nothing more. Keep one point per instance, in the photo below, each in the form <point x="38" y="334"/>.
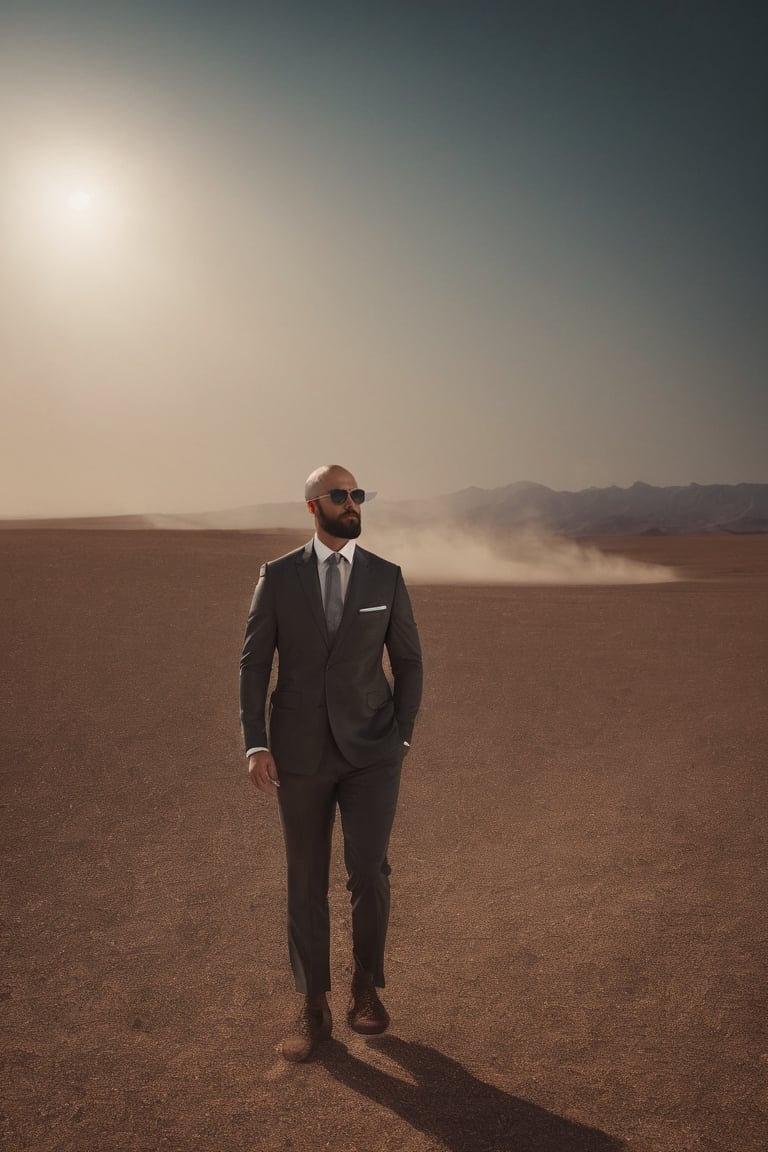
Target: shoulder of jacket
<point x="280" y="563"/>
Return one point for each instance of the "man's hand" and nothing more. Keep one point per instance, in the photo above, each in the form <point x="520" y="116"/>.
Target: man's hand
<point x="263" y="772"/>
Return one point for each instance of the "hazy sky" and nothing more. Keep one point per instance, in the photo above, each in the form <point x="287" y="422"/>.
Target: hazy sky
<point x="441" y="243"/>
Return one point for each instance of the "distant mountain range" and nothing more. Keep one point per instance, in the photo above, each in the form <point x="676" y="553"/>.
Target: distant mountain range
<point x="641" y="509"/>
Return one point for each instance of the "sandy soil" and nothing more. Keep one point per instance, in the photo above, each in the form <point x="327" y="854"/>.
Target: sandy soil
<point x="578" y="944"/>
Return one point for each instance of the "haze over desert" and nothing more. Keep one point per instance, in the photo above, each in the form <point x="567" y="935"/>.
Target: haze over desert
<point x="577" y="949"/>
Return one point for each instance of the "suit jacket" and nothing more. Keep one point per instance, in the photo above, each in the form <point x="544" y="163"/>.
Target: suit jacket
<point x="322" y="681"/>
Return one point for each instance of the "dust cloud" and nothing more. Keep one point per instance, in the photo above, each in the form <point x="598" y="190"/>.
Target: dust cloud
<point x="440" y="556"/>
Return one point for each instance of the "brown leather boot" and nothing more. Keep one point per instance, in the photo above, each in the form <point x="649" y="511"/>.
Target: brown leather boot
<point x="313" y="1024"/>
<point x="366" y="1014"/>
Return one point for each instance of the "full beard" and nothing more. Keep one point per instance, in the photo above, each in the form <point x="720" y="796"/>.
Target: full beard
<point x="348" y="526"/>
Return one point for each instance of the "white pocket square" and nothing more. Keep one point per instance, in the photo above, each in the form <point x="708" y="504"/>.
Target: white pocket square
<point x="378" y="608"/>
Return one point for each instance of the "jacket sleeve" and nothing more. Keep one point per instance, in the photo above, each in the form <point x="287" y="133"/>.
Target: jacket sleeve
<point x="404" y="649"/>
<point x="256" y="662"/>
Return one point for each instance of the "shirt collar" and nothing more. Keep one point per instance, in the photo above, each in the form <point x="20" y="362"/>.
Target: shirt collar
<point x="322" y="551"/>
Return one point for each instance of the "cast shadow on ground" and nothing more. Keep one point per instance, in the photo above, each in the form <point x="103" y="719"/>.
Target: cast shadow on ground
<point x="451" y="1106"/>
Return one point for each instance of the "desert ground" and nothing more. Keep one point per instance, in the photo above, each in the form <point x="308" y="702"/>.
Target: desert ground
<point x="577" y="957"/>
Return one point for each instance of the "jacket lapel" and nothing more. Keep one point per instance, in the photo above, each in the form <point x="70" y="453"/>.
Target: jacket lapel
<point x="308" y="577"/>
<point x="306" y="563"/>
<point x="353" y="598"/>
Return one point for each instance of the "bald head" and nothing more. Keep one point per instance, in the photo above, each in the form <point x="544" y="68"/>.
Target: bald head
<point x="334" y="523"/>
<point x="325" y="477"/>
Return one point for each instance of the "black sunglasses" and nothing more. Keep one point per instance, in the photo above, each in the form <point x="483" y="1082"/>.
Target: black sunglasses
<point x="339" y="495"/>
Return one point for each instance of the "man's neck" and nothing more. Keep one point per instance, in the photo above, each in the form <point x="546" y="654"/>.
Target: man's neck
<point x="343" y="547"/>
<point x="335" y="543"/>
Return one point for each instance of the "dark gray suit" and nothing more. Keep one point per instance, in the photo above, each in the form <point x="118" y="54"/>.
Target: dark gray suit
<point x="336" y="731"/>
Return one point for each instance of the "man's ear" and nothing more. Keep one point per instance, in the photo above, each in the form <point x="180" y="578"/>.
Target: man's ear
<point x="311" y="506"/>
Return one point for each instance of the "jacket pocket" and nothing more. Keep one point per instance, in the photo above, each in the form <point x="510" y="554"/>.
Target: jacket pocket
<point x="285" y="698"/>
<point x="376" y="700"/>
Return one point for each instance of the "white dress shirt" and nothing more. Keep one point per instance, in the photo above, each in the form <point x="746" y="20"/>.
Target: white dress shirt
<point x="323" y="552"/>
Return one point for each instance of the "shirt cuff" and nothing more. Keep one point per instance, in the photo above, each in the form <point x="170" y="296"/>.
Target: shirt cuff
<point x="250" y="751"/>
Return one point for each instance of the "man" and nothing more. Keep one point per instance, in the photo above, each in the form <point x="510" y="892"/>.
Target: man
<point x="337" y="736"/>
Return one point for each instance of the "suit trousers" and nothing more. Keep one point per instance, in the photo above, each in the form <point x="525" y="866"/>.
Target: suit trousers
<point x="367" y="799"/>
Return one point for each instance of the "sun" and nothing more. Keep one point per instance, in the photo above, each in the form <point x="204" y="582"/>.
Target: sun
<point x="69" y="200"/>
<point x="80" y="199"/>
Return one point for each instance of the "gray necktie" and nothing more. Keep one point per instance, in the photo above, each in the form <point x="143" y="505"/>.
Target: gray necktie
<point x="334" y="605"/>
